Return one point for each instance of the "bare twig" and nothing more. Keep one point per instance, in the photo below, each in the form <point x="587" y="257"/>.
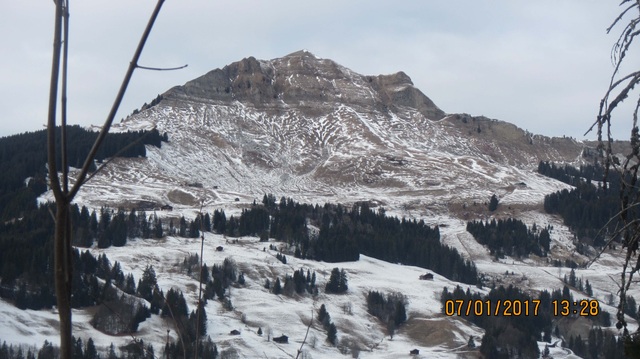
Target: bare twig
<point x="305" y="336"/>
<point x="198" y="311"/>
<point x="116" y="104"/>
<point x="620" y="88"/>
<point x="162" y="69"/>
<point x="120" y="152"/>
<point x="63" y="102"/>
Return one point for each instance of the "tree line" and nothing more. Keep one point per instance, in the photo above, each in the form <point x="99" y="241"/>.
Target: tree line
<point x="26" y="244"/>
<point x="343" y="234"/>
<point x="510" y="237"/>
<point x="87" y="350"/>
<point x="599" y="343"/>
<point x="587" y="208"/>
<point x="571" y="175"/>
<point x="23" y="159"/>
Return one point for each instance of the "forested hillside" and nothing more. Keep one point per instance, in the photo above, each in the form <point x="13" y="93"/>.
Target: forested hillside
<point x="510" y="237"/>
<point x="343" y="234"/>
<point x="588" y="207"/>
<point x="23" y="161"/>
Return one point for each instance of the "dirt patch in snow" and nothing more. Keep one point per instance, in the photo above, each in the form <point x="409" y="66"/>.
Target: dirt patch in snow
<point x="181" y="197"/>
<point x="430" y="332"/>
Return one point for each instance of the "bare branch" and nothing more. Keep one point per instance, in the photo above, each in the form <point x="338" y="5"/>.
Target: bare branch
<point x="116" y="155"/>
<point x="62" y="235"/>
<point x="620" y="87"/>
<point x="63" y="103"/>
<point x="116" y="104"/>
<point x="53" y="99"/>
<point x="620" y="16"/>
<point x="198" y="311"/>
<point x="163" y="69"/>
<point x="305" y="336"/>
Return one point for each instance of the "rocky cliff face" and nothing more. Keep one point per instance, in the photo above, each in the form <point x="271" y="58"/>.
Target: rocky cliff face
<point x="307" y="127"/>
<point x="307" y="82"/>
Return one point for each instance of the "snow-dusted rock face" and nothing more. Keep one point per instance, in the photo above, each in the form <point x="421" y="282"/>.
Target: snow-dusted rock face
<point x="303" y="81"/>
<point x="311" y="129"/>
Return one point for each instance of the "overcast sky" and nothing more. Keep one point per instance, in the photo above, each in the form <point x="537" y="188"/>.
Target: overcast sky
<point x="542" y="65"/>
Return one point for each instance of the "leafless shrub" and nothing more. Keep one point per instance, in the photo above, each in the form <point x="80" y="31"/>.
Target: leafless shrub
<point x="347" y="308"/>
<point x="621" y="87"/>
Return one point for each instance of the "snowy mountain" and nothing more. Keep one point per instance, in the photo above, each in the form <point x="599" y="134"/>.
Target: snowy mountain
<point x="313" y="130"/>
<point x="310" y="129"/>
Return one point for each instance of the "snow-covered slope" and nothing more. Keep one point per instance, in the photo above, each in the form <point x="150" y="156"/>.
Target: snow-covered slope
<point x="310" y="129"/>
<point x="435" y="335"/>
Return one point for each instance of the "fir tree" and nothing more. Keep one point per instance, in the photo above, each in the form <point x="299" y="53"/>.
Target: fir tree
<point x="332" y="334"/>
<point x="493" y="203"/>
<point x="277" y="287"/>
<point x="90" y="351"/>
<point x="147" y="283"/>
<point x="337" y="281"/>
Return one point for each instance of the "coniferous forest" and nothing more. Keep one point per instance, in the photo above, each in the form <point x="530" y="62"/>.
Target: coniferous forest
<point x="24" y="156"/>
<point x="340" y="234"/>
<point x="344" y="234"/>
<point x="510" y="237"/>
<point x="588" y="207"/>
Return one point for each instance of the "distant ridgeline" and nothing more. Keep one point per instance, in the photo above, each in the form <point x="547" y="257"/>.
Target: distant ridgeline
<point x="24" y="156"/>
<point x="588" y="207"/>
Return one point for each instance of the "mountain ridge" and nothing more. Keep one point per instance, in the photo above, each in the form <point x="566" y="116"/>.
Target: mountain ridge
<point x="305" y="127"/>
<point x="269" y="83"/>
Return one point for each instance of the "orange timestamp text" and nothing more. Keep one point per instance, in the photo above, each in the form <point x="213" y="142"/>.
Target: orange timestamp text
<point x="518" y="307"/>
<point x="487" y="307"/>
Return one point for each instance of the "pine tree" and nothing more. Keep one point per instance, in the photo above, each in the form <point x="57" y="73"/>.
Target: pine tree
<point x="129" y="284"/>
<point x="588" y="289"/>
<point x="182" y="231"/>
<point x="112" y="352"/>
<point x="147" y="283"/>
<point x="202" y="323"/>
<point x="157" y="232"/>
<point x="391" y="328"/>
<point x="207" y="222"/>
<point x="149" y="353"/>
<point x="332" y="334"/>
<point x="493" y="203"/>
<point x="277" y="287"/>
<point x="343" y="283"/>
<point x="337" y="281"/>
<point x="77" y="350"/>
<point x="401" y="313"/>
<point x="90" y="351"/>
<point x="322" y="313"/>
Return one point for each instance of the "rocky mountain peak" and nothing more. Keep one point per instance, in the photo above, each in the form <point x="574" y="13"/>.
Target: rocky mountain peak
<point x="307" y="125"/>
<point x="304" y="80"/>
